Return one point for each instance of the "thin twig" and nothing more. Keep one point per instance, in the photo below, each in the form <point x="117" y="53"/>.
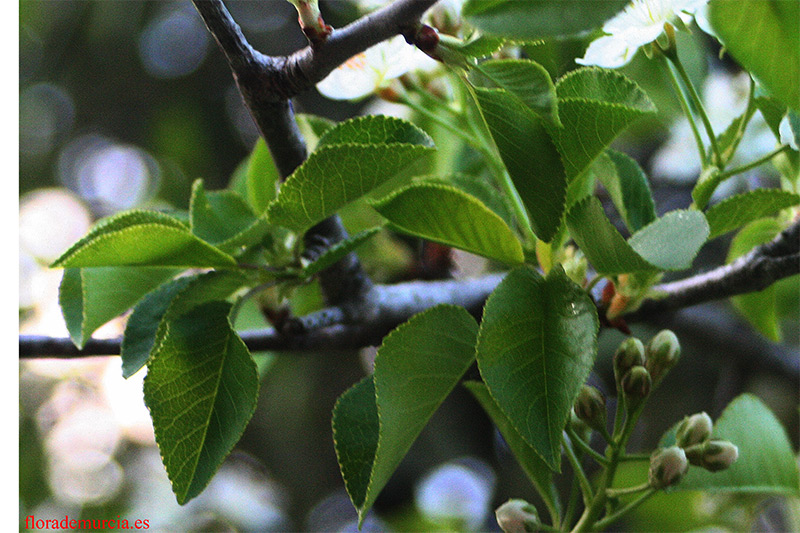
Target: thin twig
<point x="332" y="328"/>
<point x="754" y="271"/>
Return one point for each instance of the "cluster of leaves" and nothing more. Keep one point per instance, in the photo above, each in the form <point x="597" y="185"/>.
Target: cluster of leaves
<point x="201" y="386"/>
<point x="548" y="145"/>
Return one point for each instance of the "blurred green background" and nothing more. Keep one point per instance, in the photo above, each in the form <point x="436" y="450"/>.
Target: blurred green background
<point x="123" y="104"/>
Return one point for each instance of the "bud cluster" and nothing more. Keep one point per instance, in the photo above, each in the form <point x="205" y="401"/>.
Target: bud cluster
<point x="639" y="369"/>
<point x="693" y="446"/>
<point x="694" y="436"/>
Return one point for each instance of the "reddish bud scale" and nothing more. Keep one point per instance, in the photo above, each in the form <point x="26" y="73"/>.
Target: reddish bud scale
<point x="427" y="39"/>
<point x="608" y="292"/>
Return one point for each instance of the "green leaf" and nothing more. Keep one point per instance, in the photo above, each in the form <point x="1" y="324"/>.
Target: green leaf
<point x="142" y="238"/>
<point x="600" y="241"/>
<point x="772" y="110"/>
<point x="595" y="105"/>
<point x="375" y="129"/>
<point x="312" y="127"/>
<point x="794" y="126"/>
<point x="536" y="347"/>
<point x="356" y="429"/>
<point x="537" y="19"/>
<point x="585" y="183"/>
<point x="759" y="308"/>
<point x="201" y="389"/>
<point x="728" y="141"/>
<point x="529" y="155"/>
<point x="345" y="167"/>
<point x="669" y="243"/>
<point x="741" y="209"/>
<point x="147" y="324"/>
<point x="70" y="299"/>
<point x="262" y="177"/>
<point x="526" y="80"/>
<point x="630" y="191"/>
<point x="140" y="331"/>
<point x="536" y="469"/>
<point x="707" y="183"/>
<point x="447" y="215"/>
<point x="478" y="187"/>
<point x="672" y="241"/>
<point x="333" y="254"/>
<point x="375" y="422"/>
<point x="90" y="297"/>
<point x="223" y="218"/>
<point x="482" y="46"/>
<point x="762" y="35"/>
<point x="766" y="462"/>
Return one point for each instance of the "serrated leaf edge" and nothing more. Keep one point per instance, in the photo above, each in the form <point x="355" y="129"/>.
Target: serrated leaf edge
<point x="466" y="196"/>
<point x="231" y="333"/>
<point x="376" y="118"/>
<point x="657" y="220"/>
<point x="488" y="388"/>
<point x="222" y="259"/>
<point x="395" y="331"/>
<point x="102" y="226"/>
<point x="776" y="193"/>
<point x="276" y="203"/>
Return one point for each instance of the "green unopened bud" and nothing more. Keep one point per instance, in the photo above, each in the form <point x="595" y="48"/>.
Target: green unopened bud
<point x="636" y="386"/>
<point x="517" y="516"/>
<point x="629" y="354"/>
<point x="693" y="430"/>
<point x="578" y="425"/>
<point x="663" y="352"/>
<point x="311" y="21"/>
<point x="713" y="455"/>
<point x="590" y="406"/>
<point x="667" y="467"/>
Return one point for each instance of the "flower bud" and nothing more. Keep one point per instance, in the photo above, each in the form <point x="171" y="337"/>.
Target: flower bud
<point x="713" y="455"/>
<point x="578" y="425"/>
<point x="667" y="467"/>
<point x="636" y="385"/>
<point x="693" y="430"/>
<point x="663" y="352"/>
<point x="590" y="406"/>
<point x="629" y="354"/>
<point x="517" y="516"/>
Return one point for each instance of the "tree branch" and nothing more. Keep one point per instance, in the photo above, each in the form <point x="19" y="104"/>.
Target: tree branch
<point x="266" y="83"/>
<point x="312" y="64"/>
<point x="335" y="328"/>
<point x="384" y="307"/>
<point x="360" y="313"/>
<point x="754" y="271"/>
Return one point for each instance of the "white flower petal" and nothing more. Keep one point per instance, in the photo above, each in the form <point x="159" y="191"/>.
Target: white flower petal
<point x="641" y="22"/>
<point x="369" y="71"/>
<point x="608" y="52"/>
<point x="701" y="17"/>
<point x="352" y="80"/>
<point x="690" y="6"/>
<point x="393" y="58"/>
<point x="637" y="36"/>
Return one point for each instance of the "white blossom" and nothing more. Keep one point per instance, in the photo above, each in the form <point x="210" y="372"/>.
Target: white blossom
<point x="371" y="70"/>
<point x="640" y="23"/>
